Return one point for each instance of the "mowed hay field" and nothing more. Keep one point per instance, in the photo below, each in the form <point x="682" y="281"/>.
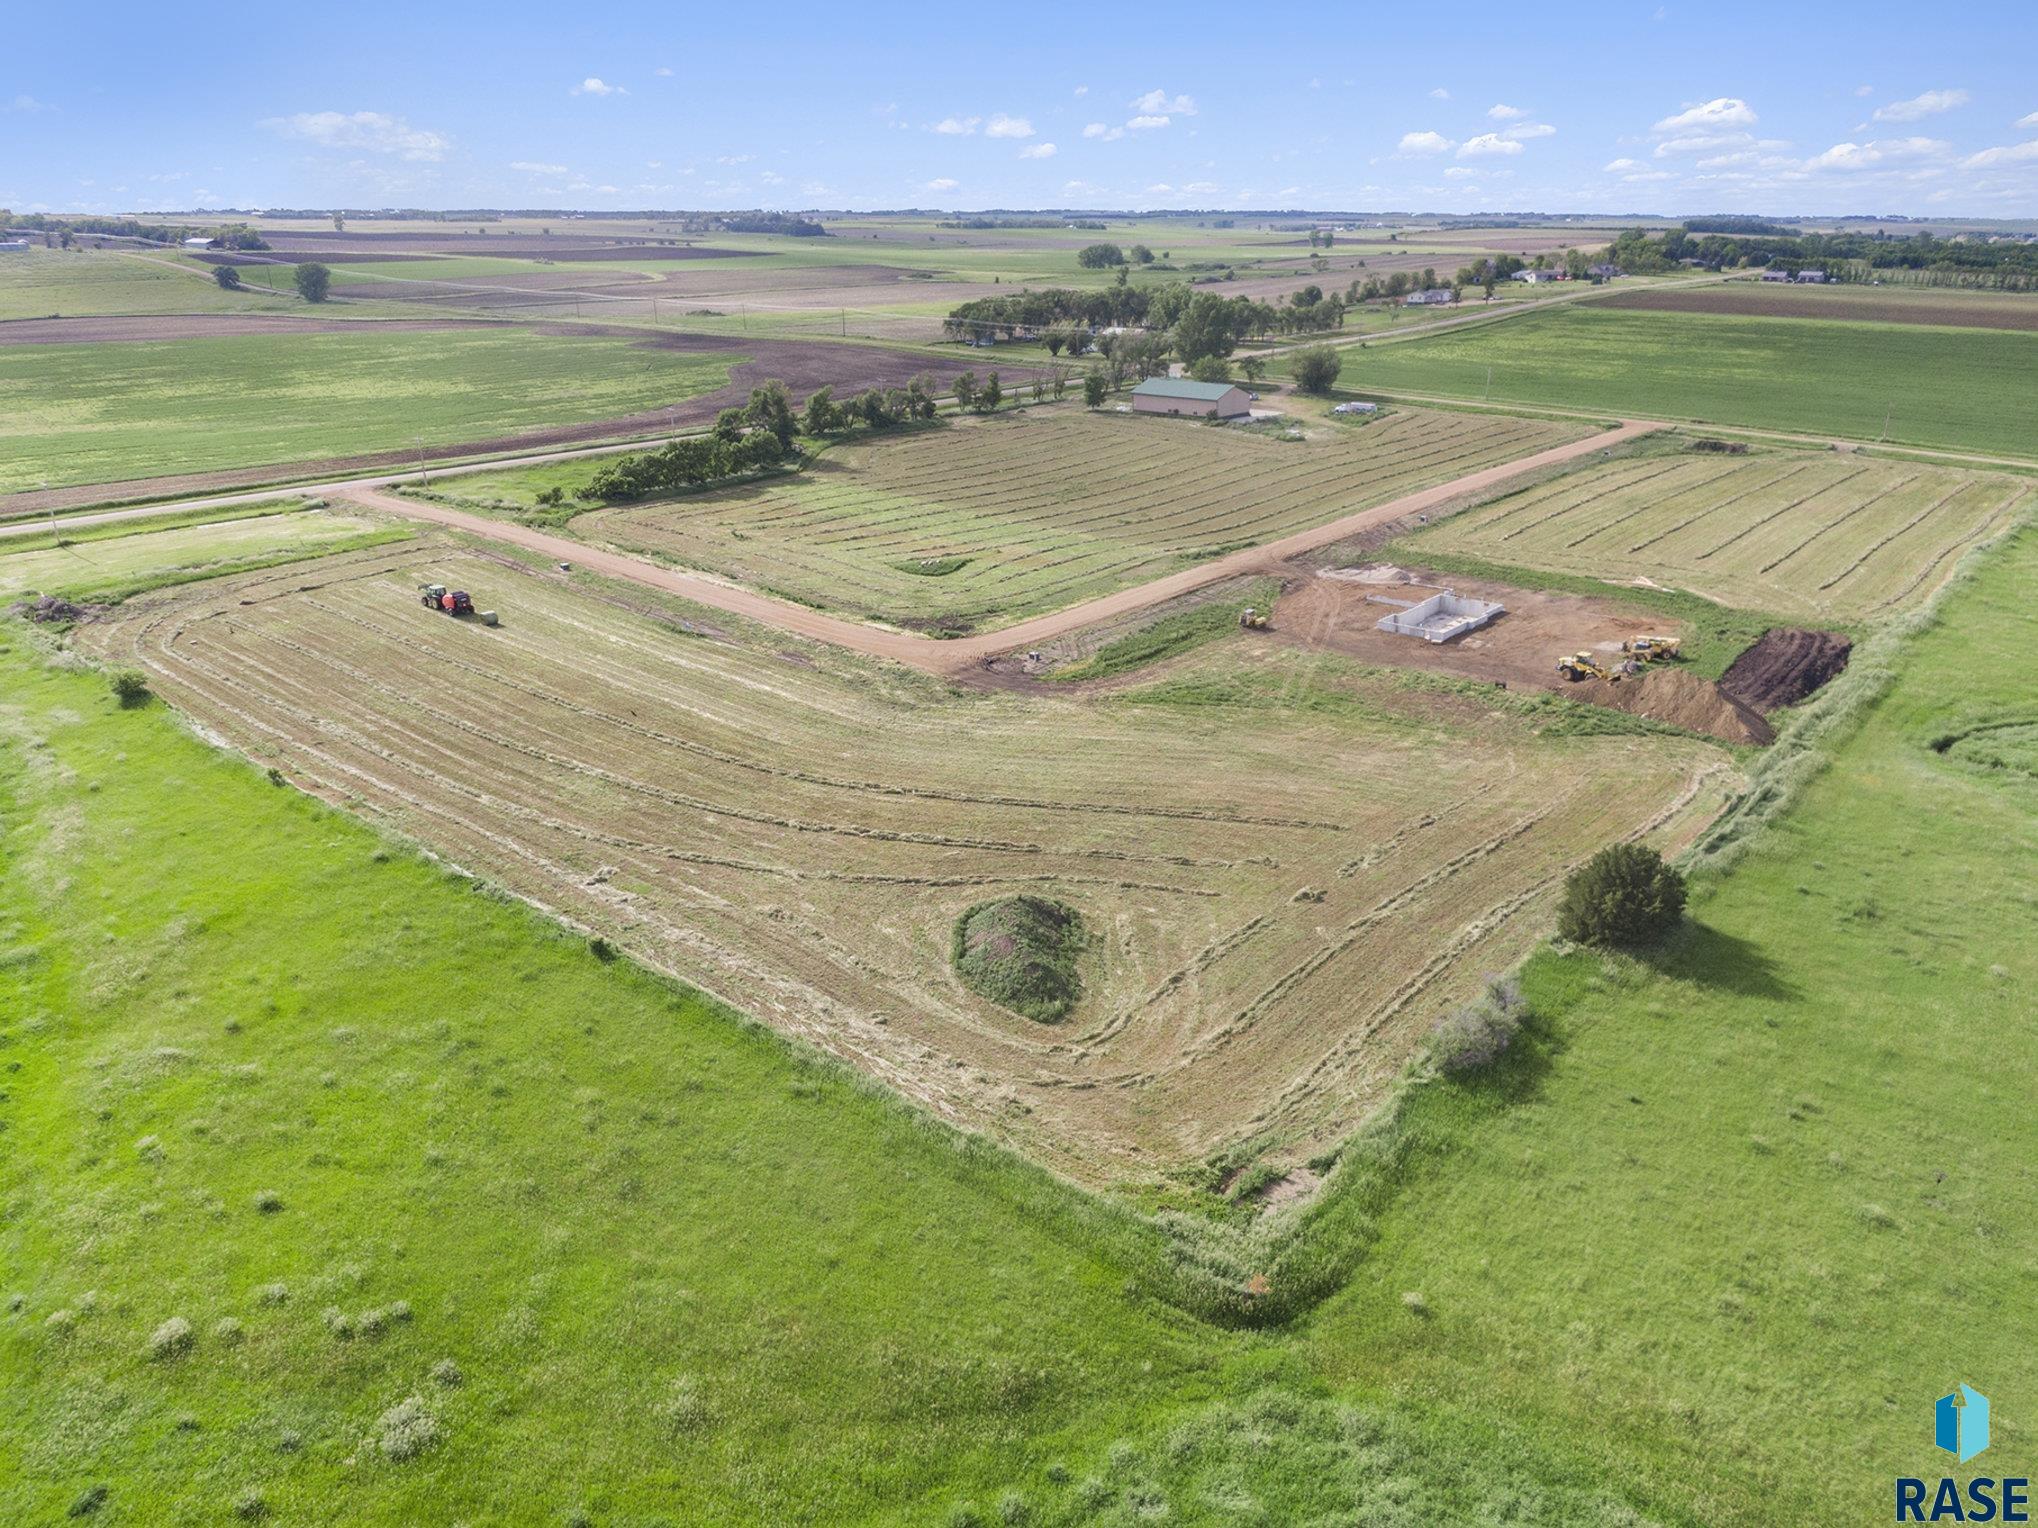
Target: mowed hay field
<point x="103" y="566"/>
<point x="1811" y="536"/>
<point x="1281" y="902"/>
<point x="104" y="413"/>
<point x="989" y="520"/>
<point x="1963" y="389"/>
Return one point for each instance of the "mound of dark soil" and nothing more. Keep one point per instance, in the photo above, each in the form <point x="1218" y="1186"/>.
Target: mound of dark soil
<point x="1681" y="698"/>
<point x="1785" y="666"/>
<point x="1021" y="953"/>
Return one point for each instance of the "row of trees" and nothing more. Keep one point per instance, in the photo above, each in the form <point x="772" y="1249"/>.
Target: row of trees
<point x="747" y="438"/>
<point x="875" y="408"/>
<point x="1722" y="243"/>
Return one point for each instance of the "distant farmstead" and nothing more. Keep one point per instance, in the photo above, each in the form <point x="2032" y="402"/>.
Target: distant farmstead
<point x="1537" y="278"/>
<point x="1198" y="400"/>
<point x="1433" y="296"/>
<point x="8" y="244"/>
<point x="199" y="243"/>
<point x="1602" y="272"/>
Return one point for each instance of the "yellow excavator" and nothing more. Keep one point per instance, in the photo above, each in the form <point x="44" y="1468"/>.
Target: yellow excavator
<point x="1653" y="649"/>
<point x="1254" y="620"/>
<point x="1583" y="665"/>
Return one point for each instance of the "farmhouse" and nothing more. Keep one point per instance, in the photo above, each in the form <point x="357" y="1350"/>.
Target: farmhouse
<point x="1425" y="299"/>
<point x="1602" y="272"/>
<point x="198" y="243"/>
<point x="1202" y="400"/>
<point x="1811" y="277"/>
<point x="13" y="244"/>
<point x="1775" y="273"/>
<point x="1537" y="278"/>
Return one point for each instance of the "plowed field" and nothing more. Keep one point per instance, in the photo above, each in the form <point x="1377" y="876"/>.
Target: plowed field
<point x="996" y="519"/>
<point x="1807" y="535"/>
<point x="1283" y="900"/>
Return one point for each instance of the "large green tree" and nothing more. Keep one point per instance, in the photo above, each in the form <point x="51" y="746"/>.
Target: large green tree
<point x="314" y="282"/>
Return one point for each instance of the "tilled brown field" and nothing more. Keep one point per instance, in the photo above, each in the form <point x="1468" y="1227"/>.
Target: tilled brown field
<point x="1283" y="900"/>
<point x="1894" y="305"/>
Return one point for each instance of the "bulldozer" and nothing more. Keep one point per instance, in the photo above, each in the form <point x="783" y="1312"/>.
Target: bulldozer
<point x="1584" y="665"/>
<point x="1653" y="649"/>
<point x="1251" y="619"/>
<point x="453" y="601"/>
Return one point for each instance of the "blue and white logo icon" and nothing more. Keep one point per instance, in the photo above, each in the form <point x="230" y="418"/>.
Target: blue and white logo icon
<point x="1962" y="1423"/>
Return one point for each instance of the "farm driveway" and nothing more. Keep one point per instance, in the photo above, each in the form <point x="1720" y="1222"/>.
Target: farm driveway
<point x="933" y="655"/>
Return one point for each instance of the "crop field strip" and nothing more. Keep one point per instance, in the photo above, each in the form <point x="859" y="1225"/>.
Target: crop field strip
<point x="1824" y="537"/>
<point x="1046" y="508"/>
<point x="800" y="843"/>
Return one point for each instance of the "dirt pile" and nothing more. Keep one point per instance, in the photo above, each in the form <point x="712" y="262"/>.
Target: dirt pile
<point x="1681" y="698"/>
<point x="1785" y="666"/>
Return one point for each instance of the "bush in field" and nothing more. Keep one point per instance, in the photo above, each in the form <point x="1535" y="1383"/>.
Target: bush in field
<point x="1624" y="895"/>
<point x="1021" y="952"/>
<point x="171" y="1339"/>
<point x="1316" y="368"/>
<point x="1475" y="1035"/>
<point x="314" y="282"/>
<point x="1095" y="257"/>
<point x="407" y="1429"/>
<point x="128" y="686"/>
<point x="1095" y="386"/>
<point x="228" y="278"/>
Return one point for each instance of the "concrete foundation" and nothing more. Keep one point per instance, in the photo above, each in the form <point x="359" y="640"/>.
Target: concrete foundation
<point x="1440" y="617"/>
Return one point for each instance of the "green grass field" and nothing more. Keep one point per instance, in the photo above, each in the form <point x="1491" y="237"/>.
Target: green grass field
<point x="47" y="283"/>
<point x="127" y="557"/>
<point x="107" y="413"/>
<point x="1815" y="376"/>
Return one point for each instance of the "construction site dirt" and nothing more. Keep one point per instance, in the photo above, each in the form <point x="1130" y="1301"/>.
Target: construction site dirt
<point x="1785" y="666"/>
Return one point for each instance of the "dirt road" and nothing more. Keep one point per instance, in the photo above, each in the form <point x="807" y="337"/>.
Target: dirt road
<point x="935" y="656"/>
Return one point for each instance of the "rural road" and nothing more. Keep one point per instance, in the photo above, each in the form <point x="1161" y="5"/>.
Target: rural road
<point x="947" y="658"/>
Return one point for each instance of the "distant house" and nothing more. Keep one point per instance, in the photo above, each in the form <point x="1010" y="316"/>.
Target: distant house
<point x="1537" y="278"/>
<point x="199" y="243"/>
<point x="1427" y="299"/>
<point x="1198" y="400"/>
<point x="1603" y="272"/>
<point x="1776" y="274"/>
<point x="9" y="244"/>
<point x="1355" y="408"/>
<point x="1815" y="278"/>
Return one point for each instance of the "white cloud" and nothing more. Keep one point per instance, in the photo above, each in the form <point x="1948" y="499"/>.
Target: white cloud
<point x="957" y="127"/>
<point x="1869" y="156"/>
<point x="1488" y="143"/>
<point x="1103" y="132"/>
<point x="1078" y="187"/>
<point x="2015" y="153"/>
<point x="1038" y="151"/>
<point x="772" y="178"/>
<point x="1724" y="111"/>
<point x="1440" y="94"/>
<point x="1002" y="126"/>
<point x="374" y="131"/>
<point x="1143" y="123"/>
<point x="1521" y="132"/>
<point x="596" y="86"/>
<point x="1201" y="188"/>
<point x="1081" y="91"/>
<point x="1614" y="165"/>
<point x="1159" y="189"/>
<point x="662" y="72"/>
<point x="1642" y="177"/>
<point x="28" y="103"/>
<point x="1698" y="143"/>
<point x="1505" y="113"/>
<point x="943" y="184"/>
<point x="1425" y="143"/>
<point x="1918" y="107"/>
<point x="535" y="167"/>
<point x="2030" y="121"/>
<point x="1459" y="172"/>
<point x="734" y="158"/>
<point x="1158" y="103"/>
<point x="1864" y="90"/>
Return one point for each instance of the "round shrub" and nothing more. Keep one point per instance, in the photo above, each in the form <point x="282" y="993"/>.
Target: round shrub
<point x="1623" y="896"/>
<point x="407" y="1429"/>
<point x="170" y="1339"/>
<point x="1316" y="368"/>
<point x="1021" y="953"/>
<point x="128" y="686"/>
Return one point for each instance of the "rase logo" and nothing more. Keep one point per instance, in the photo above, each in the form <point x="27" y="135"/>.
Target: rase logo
<point x="1960" y="1427"/>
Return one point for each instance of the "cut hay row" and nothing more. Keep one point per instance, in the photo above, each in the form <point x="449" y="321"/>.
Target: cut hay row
<point x="1044" y="509"/>
<point x="800" y="841"/>
<point x="1801" y="536"/>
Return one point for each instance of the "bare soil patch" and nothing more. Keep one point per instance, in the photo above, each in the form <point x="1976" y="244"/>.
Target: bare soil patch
<point x="1336" y="610"/>
<point x="404" y="246"/>
<point x="1681" y="698"/>
<point x="1784" y="666"/>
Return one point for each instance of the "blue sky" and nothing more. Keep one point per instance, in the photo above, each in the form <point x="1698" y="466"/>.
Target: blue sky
<point x="1675" y="108"/>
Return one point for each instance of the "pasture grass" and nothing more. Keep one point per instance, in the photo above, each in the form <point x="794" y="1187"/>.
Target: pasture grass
<point x="49" y="283"/>
<point x="1171" y="634"/>
<point x="107" y="413"/>
<point x="1961" y="389"/>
